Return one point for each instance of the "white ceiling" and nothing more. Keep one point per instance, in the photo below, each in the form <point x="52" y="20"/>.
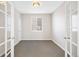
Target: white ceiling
<point x="45" y="7"/>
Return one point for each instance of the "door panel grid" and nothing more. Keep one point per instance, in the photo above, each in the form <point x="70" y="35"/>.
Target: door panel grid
<point x="71" y="29"/>
<point x="7" y="42"/>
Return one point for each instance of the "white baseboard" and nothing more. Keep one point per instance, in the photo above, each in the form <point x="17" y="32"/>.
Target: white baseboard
<point x="58" y="45"/>
<point x="17" y="42"/>
<point x="36" y="39"/>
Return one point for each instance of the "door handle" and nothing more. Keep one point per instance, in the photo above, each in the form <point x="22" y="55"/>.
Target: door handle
<point x="66" y="37"/>
<point x="11" y="38"/>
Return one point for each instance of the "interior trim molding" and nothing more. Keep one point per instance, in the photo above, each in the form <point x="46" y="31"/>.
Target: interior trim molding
<point x="17" y="42"/>
<point x="36" y="39"/>
<point x="58" y="44"/>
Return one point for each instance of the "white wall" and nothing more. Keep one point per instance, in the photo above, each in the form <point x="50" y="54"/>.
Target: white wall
<point x="17" y="26"/>
<point x="58" y="26"/>
<point x="27" y="33"/>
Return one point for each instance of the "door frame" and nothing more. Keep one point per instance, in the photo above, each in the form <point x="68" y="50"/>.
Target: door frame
<point x="78" y="29"/>
<point x="70" y="34"/>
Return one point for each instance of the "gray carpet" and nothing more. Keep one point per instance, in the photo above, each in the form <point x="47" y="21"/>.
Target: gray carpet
<point x="38" y="48"/>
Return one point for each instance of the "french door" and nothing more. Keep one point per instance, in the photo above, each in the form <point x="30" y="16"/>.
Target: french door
<point x="6" y="29"/>
<point x="71" y="35"/>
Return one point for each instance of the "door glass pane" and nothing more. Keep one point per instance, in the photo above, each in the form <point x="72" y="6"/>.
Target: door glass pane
<point x="9" y="27"/>
<point x="74" y="21"/>
<point x="8" y="8"/>
<point x="2" y="35"/>
<point x="2" y="19"/>
<point x="74" y="6"/>
<point x="74" y="50"/>
<point x="9" y="20"/>
<point x="8" y="35"/>
<point x="2" y="6"/>
<point x="8" y="48"/>
<point x="68" y="46"/>
<point x="8" y="45"/>
<point x="74" y="36"/>
<point x="74" y="27"/>
<point x="2" y="50"/>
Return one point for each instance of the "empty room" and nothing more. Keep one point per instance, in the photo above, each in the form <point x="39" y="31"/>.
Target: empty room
<point x="37" y="28"/>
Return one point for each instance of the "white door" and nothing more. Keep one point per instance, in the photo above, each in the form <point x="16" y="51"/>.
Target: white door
<point x="71" y="36"/>
<point x="6" y="29"/>
<point x="10" y="29"/>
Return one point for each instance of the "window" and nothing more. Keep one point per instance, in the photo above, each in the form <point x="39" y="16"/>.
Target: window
<point x="37" y="24"/>
<point x="74" y="22"/>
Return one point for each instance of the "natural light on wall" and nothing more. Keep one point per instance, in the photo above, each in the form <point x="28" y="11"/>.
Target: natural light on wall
<point x="36" y="3"/>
